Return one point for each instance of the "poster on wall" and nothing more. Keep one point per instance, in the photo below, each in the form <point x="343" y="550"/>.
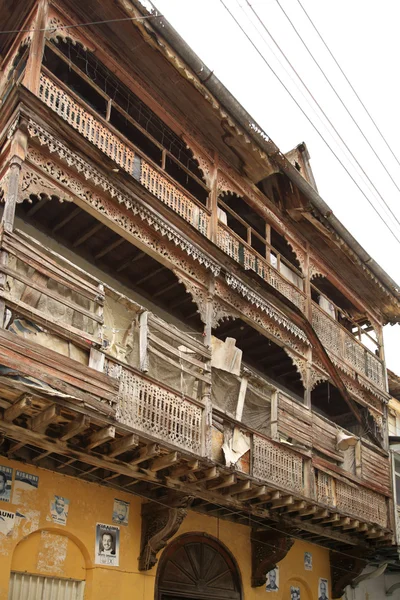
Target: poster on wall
<point x="272" y="583"/>
<point x="6" y="474"/>
<point x="294" y="593"/>
<point x="308" y="561"/>
<point x="107" y="545"/>
<point x="7" y="521"/>
<point x="23" y="482"/>
<point x="59" y="508"/>
<point x="323" y="589"/>
<point x="120" y="512"/>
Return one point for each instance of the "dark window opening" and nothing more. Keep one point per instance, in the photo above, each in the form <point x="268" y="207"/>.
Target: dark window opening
<point x="135" y="135"/>
<point x="77" y="84"/>
<point x="236" y="226"/>
<point x="280" y="244"/>
<point x="241" y="208"/>
<point x="264" y="355"/>
<point x="130" y="103"/>
<point x="190" y="184"/>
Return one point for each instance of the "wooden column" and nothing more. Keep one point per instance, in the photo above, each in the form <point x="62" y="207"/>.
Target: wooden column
<point x="307" y="285"/>
<point x="213" y="204"/>
<point x="18" y="149"/>
<point x="32" y="71"/>
<point x="206" y="388"/>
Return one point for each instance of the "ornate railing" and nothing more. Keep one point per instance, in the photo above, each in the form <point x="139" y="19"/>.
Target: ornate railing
<point x="172" y="196"/>
<point x="276" y="464"/>
<point x="56" y="98"/>
<point x="344" y="346"/>
<point x="352" y="500"/>
<point x="157" y="411"/>
<point x="244" y="254"/>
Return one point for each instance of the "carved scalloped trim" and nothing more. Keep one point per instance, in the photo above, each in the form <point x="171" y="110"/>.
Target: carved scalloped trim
<point x="265" y="306"/>
<point x="300" y="363"/>
<point x="99" y="180"/>
<point x="57" y="29"/>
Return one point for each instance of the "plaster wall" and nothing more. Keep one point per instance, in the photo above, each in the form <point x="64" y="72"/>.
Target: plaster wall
<point x="38" y="545"/>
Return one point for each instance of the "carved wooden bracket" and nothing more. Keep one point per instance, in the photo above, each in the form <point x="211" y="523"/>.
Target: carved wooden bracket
<point x="267" y="549"/>
<point x="159" y="524"/>
<point x="344" y="569"/>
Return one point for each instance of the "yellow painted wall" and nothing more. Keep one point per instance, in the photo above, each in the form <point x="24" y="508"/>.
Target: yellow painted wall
<point x="38" y="545"/>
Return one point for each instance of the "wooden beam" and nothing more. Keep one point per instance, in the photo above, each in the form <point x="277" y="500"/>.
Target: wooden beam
<point x="79" y="424"/>
<point x="296" y="507"/>
<point x="101" y="436"/>
<point x="146" y="453"/>
<point x="208" y="474"/>
<point x="239" y="487"/>
<point x="66" y="219"/>
<point x="190" y="467"/>
<point x="162" y="462"/>
<point x="281" y="502"/>
<point x="26" y="436"/>
<point x="149" y="275"/>
<point x="342" y="521"/>
<point x="123" y="444"/>
<point x="126" y="264"/>
<point x="256" y="492"/>
<point x="310" y="510"/>
<point x="354" y="524"/>
<point x="109" y="248"/>
<point x="323" y="513"/>
<point x="38" y="206"/>
<point x="226" y="481"/>
<point x="41" y="421"/>
<point x="85" y="236"/>
<point x="15" y="410"/>
<point x="166" y="289"/>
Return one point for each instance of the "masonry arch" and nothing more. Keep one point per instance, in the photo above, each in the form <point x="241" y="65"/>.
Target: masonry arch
<point x="49" y="561"/>
<point x="196" y="565"/>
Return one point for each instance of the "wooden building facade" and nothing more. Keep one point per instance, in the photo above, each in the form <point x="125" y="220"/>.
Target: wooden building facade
<point x="182" y="320"/>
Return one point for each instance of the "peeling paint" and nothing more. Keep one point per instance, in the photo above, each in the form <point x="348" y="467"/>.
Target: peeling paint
<point x="52" y="554"/>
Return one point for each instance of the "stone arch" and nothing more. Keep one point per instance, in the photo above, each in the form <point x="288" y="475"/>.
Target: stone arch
<point x="52" y="552"/>
<point x="198" y="565"/>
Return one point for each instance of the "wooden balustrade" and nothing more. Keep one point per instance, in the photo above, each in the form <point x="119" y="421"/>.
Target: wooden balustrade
<point x="99" y="134"/>
<point x="50" y="292"/>
<point x="352" y="500"/>
<point x="346" y="347"/>
<point x="151" y="408"/>
<point x="276" y="464"/>
<point x="244" y="254"/>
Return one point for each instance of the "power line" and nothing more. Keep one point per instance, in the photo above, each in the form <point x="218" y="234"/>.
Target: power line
<point x="335" y="92"/>
<point x="308" y="118"/>
<point x="324" y="113"/>
<point x="350" y="84"/>
<point x="80" y="24"/>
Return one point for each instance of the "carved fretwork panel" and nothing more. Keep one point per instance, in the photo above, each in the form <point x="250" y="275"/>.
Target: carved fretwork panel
<point x="254" y="309"/>
<point x="267" y="549"/>
<point x="58" y="29"/>
<point x="159" y="524"/>
<point x="344" y="569"/>
<point x="200" y="296"/>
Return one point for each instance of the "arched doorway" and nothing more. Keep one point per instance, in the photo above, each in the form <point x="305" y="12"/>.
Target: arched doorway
<point x="199" y="567"/>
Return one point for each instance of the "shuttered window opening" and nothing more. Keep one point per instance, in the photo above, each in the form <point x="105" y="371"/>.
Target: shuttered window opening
<point x="25" y="586"/>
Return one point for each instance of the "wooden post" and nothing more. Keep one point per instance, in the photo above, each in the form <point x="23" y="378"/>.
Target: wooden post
<point x="143" y="342"/>
<point x="213" y="205"/>
<point x="274" y="415"/>
<point x="32" y="71"/>
<point x="358" y="450"/>
<point x="206" y="388"/>
<point x="242" y="395"/>
<point x="307" y="290"/>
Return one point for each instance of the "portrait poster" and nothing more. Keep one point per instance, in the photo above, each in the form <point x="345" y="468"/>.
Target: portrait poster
<point x="294" y="593"/>
<point x="272" y="583"/>
<point x="120" y="514"/>
<point x="24" y="482"/>
<point x="7" y="521"/>
<point x="59" y="508"/>
<point x="107" y="545"/>
<point x="6" y="474"/>
<point x="323" y="589"/>
<point x="308" y="561"/>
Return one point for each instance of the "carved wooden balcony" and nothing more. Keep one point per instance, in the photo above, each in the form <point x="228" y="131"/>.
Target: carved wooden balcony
<point x="345" y="347"/>
<point x="241" y="252"/>
<point x="128" y="158"/>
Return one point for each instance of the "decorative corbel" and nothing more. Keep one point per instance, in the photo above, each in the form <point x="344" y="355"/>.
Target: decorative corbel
<point x="267" y="549"/>
<point x="344" y="569"/>
<point x="159" y="524"/>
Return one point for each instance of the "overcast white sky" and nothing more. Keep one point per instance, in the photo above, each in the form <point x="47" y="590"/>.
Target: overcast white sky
<point x="363" y="36"/>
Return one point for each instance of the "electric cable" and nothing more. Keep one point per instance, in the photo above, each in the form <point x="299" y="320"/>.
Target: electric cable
<point x="309" y="120"/>
<point x="350" y="84"/>
<point x="326" y="116"/>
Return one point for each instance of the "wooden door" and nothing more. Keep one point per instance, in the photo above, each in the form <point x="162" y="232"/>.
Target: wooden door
<point x="197" y="567"/>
